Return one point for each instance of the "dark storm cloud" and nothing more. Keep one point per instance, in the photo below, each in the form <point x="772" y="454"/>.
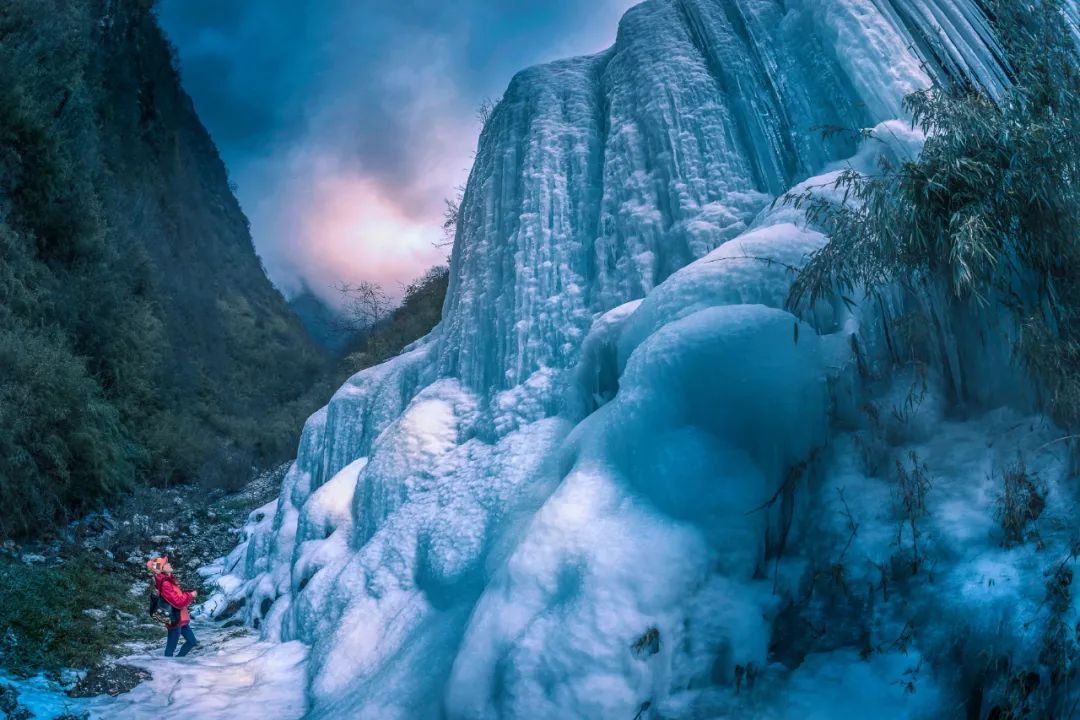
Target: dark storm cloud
<point x="345" y="122"/>
<point x="248" y="64"/>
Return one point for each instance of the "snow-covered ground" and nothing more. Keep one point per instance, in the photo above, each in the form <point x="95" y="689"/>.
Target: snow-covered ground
<point x="232" y="674"/>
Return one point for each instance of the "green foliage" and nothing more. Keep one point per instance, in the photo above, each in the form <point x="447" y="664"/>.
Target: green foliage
<point x="62" y="444"/>
<point x="990" y="210"/>
<point x="140" y="341"/>
<point x="42" y="624"/>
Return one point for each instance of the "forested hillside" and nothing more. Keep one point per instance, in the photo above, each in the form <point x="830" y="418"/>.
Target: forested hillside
<point x="140" y="340"/>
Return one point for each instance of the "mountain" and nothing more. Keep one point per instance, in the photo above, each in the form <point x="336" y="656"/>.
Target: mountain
<point x="140" y="338"/>
<point x="323" y="324"/>
<point x="620" y="479"/>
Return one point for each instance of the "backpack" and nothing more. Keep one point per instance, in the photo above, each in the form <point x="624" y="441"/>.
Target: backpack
<point x="162" y="611"/>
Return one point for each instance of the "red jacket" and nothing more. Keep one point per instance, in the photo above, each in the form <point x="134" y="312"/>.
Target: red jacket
<point x="170" y="591"/>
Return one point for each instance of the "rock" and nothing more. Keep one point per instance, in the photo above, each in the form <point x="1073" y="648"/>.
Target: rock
<point x="234" y="606"/>
<point x="96" y="613"/>
<point x="9" y="698"/>
<point x="108" y="554"/>
<point x="32" y="558"/>
<point x="160" y="539"/>
<point x="69" y="677"/>
<point x="9" y="704"/>
<point x="109" y="679"/>
<point x="99" y="523"/>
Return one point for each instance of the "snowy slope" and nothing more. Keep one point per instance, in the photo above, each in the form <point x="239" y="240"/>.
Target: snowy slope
<point x="570" y="500"/>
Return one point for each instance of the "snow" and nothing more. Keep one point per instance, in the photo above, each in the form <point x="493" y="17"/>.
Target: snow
<point x="978" y="593"/>
<point x="843" y="686"/>
<point x="232" y="674"/>
<point x="243" y="677"/>
<point x="610" y="482"/>
<point x="650" y="518"/>
<point x="755" y="268"/>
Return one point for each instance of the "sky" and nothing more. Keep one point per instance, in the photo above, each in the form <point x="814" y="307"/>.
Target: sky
<point x="346" y="123"/>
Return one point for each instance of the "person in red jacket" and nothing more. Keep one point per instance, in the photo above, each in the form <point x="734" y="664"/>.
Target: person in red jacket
<point x="179" y="619"/>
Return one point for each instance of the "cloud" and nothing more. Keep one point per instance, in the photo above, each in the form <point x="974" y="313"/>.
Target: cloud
<point x="324" y="223"/>
<point x="346" y="122"/>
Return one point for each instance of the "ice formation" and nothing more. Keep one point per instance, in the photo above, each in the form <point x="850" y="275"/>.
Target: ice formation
<point x="574" y="498"/>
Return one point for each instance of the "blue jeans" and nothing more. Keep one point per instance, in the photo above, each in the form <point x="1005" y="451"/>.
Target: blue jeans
<point x="174" y="637"/>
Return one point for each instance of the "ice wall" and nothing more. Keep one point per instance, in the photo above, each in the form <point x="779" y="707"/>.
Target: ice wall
<point x="598" y="177"/>
<point x="560" y="503"/>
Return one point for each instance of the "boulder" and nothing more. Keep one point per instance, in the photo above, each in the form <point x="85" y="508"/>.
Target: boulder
<point x="109" y="679"/>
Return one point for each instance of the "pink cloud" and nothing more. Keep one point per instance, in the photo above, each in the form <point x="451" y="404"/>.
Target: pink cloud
<point x="341" y="204"/>
<point x="333" y="225"/>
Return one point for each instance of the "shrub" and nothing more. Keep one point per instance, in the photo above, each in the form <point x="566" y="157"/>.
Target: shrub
<point x="62" y="446"/>
<point x="989" y="211"/>
<point x="1020" y="504"/>
<point x="42" y="624"/>
<point x="419" y="312"/>
<point x="912" y="487"/>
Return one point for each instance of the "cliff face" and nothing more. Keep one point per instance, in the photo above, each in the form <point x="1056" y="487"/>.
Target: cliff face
<point x="577" y="497"/>
<point x="171" y="185"/>
<point x="129" y="269"/>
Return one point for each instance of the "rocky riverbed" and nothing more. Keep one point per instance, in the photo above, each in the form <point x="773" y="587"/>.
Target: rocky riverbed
<point x="189" y="525"/>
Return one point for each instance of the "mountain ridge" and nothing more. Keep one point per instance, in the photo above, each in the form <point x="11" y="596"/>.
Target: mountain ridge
<point x="130" y="265"/>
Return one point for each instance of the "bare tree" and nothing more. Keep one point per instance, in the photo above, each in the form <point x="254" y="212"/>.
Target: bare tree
<point x="483" y="112"/>
<point x="365" y="305"/>
<point x="450" y="220"/>
<point x="451" y="215"/>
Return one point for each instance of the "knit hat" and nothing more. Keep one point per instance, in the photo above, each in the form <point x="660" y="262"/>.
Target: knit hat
<point x="157" y="565"/>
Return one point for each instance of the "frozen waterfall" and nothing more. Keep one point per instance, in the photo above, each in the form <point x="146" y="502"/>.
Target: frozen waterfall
<point x="570" y="500"/>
